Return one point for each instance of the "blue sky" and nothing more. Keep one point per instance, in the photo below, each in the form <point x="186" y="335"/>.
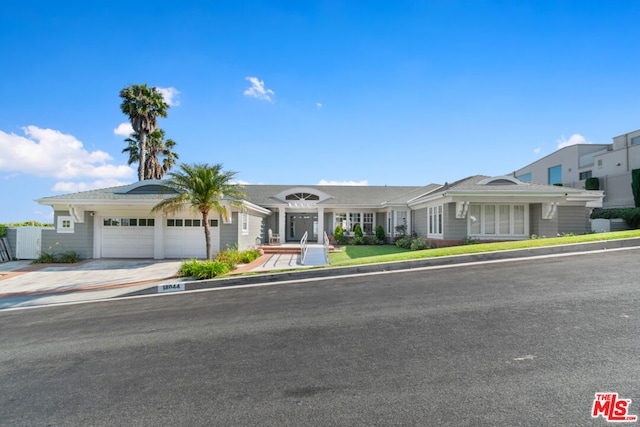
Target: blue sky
<point x="309" y="92"/>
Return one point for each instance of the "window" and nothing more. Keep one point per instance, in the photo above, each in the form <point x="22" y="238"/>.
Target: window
<point x="302" y="196"/>
<point x="434" y="220"/>
<point x="354" y="218"/>
<point x="213" y="222"/>
<point x="526" y="177"/>
<point x="497" y="220"/>
<point x="65" y="224"/>
<point x="367" y="222"/>
<point x="245" y="223"/>
<point x="341" y="219"/>
<point x="585" y="175"/>
<point x="555" y="175"/>
<point x="635" y="140"/>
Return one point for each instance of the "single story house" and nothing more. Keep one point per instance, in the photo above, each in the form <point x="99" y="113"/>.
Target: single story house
<point x="118" y="222"/>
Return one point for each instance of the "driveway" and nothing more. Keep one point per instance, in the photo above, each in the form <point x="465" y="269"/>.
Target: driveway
<point x="23" y="284"/>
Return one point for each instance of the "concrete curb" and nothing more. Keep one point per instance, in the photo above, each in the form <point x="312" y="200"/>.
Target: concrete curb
<point x="397" y="265"/>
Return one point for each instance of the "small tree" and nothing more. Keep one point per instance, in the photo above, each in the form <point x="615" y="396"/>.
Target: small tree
<point x="357" y="231"/>
<point x="380" y="233"/>
<point x="338" y="234"/>
<point x="202" y="187"/>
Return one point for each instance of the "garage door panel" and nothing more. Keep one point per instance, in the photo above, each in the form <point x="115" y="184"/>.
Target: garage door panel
<point x="127" y="242"/>
<point x="189" y="242"/>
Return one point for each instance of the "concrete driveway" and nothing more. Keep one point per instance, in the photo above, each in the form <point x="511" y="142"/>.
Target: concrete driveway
<point x="23" y="284"/>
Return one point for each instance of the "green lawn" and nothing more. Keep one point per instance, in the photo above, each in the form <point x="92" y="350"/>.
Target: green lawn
<point x="354" y="255"/>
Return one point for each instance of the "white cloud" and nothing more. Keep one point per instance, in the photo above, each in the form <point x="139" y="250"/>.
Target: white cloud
<point x="72" y="187"/>
<point x="573" y="140"/>
<point x="257" y="89"/>
<point x="325" y="182"/>
<point x="50" y="153"/>
<point x="537" y="150"/>
<point x="318" y="105"/>
<point x="169" y="94"/>
<point x="124" y="129"/>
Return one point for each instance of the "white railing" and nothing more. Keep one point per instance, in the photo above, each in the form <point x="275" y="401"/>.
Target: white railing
<point x="325" y="243"/>
<point x="303" y="247"/>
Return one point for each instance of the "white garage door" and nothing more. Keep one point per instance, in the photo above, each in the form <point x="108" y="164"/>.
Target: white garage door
<point x="185" y="238"/>
<point x="127" y="238"/>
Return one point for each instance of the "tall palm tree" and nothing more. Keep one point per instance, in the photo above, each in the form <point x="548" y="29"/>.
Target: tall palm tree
<point x="156" y="146"/>
<point x="202" y="187"/>
<point x="143" y="105"/>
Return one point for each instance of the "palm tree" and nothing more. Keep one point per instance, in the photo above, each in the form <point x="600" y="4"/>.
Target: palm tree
<point x="202" y="187"/>
<point x="143" y="105"/>
<point x="156" y="146"/>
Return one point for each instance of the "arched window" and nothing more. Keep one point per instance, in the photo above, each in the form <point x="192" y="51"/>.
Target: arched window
<point x="302" y="196"/>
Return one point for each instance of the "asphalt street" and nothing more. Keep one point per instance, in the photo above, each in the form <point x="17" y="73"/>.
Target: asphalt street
<point x="523" y="343"/>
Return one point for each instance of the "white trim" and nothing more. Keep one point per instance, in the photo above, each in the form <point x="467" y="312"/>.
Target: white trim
<point x="496" y="235"/>
<point x="64" y="224"/>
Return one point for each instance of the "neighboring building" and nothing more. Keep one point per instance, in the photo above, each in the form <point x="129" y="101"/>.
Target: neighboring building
<point x="118" y="222"/>
<point x="610" y="163"/>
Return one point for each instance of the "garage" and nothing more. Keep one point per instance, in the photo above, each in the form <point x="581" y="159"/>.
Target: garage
<point x="185" y="238"/>
<point x="127" y="237"/>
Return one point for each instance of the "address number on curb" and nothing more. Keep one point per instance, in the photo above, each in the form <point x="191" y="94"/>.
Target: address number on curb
<point x="171" y="287"/>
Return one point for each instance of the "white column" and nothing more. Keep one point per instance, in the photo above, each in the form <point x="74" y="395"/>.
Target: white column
<point x="320" y="225"/>
<point x="282" y="224"/>
<point x="159" y="243"/>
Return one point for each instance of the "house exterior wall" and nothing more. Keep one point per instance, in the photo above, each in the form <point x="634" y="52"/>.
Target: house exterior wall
<point x="256" y="231"/>
<point x="541" y="227"/>
<point x="80" y="241"/>
<point x="419" y="221"/>
<point x="573" y="219"/>
<point x="328" y="225"/>
<point x="454" y="228"/>
<point x="228" y="233"/>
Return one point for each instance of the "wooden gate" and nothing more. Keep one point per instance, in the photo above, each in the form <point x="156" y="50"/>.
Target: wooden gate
<point x="28" y="242"/>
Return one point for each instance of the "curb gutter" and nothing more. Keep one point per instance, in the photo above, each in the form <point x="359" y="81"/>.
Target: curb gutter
<point x="390" y="266"/>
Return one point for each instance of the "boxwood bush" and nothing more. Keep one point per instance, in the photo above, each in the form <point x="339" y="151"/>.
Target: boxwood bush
<point x="631" y="216"/>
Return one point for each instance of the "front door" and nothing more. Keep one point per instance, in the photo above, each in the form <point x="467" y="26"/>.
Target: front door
<point x="299" y="223"/>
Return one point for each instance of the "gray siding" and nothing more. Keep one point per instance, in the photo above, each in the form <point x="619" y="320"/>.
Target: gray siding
<point x="80" y="241"/>
<point x="541" y="227"/>
<point x="381" y="219"/>
<point x="420" y="218"/>
<point x="229" y="232"/>
<point x="256" y="231"/>
<point x="454" y="228"/>
<point x="573" y="219"/>
<point x="270" y="222"/>
<point x="328" y="225"/>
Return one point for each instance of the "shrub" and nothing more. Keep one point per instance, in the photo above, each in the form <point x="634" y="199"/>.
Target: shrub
<point x="3" y="230"/>
<point x="419" y="243"/>
<point x="203" y="269"/>
<point x="403" y="242"/>
<point x="52" y="257"/>
<point x="592" y="183"/>
<point x="373" y="240"/>
<point x="631" y="216"/>
<point x="338" y="234"/>
<point x="248" y="256"/>
<point x="380" y="233"/>
<point x="357" y="240"/>
<point x="69" y="257"/>
<point x="357" y="231"/>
